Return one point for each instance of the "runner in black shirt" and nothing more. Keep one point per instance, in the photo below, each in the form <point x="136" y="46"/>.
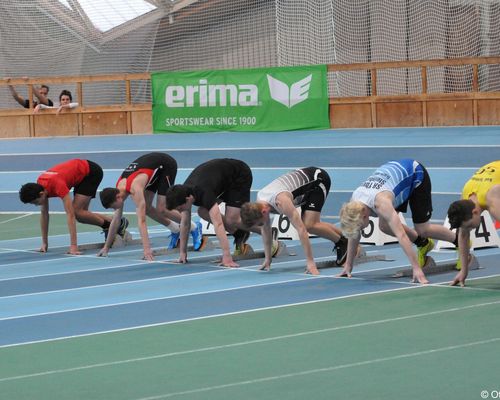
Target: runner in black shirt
<point x="220" y="180"/>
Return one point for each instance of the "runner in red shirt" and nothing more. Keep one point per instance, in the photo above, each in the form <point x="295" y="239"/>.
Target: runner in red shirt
<point x="82" y="175"/>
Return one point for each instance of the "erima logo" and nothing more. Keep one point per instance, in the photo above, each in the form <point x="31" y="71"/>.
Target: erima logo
<point x="205" y="95"/>
<point x="247" y="95"/>
<point x="289" y="96"/>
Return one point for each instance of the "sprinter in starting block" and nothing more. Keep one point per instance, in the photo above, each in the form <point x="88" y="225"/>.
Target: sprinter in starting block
<point x="306" y="188"/>
<point x="481" y="192"/>
<point x="388" y="190"/>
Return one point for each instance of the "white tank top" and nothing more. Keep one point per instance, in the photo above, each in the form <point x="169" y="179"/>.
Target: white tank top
<point x="398" y="177"/>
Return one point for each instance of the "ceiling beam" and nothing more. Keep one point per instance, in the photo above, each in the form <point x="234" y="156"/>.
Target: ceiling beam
<point x="132" y="25"/>
<point x="67" y="19"/>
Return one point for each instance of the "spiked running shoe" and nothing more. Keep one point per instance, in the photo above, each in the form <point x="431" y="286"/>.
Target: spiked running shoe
<point x="423" y="251"/>
<point x="275" y="248"/>
<point x="240" y="237"/>
<point x="197" y="236"/>
<point x="243" y="250"/>
<point x="341" y="250"/>
<point x="122" y="229"/>
<point x="174" y="240"/>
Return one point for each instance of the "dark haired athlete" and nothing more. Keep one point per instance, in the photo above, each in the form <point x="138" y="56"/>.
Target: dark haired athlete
<point x="82" y="175"/>
<point x="481" y="192"/>
<point x="150" y="174"/>
<point x="221" y="180"/>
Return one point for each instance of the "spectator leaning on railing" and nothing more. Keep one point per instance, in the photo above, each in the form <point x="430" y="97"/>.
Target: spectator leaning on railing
<point x="65" y="102"/>
<point x="39" y="92"/>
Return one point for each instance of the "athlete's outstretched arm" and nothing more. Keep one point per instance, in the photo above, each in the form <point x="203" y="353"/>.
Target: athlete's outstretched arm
<point x="113" y="228"/>
<point x="44" y="224"/>
<point x="71" y="220"/>
<point x="286" y="205"/>
<point x="184" y="226"/>
<point x="464" y="256"/>
<point x="352" y="248"/>
<point x="267" y="240"/>
<point x="137" y="195"/>
<point x="385" y="210"/>
<point x="220" y="231"/>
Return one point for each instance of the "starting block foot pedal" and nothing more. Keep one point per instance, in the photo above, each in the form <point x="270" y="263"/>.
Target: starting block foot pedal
<point x="250" y="254"/>
<point x="118" y="242"/>
<point x="206" y="245"/>
<point x="366" y="258"/>
<point x="281" y="250"/>
<point x="122" y="241"/>
<point x="431" y="267"/>
<point x="361" y="258"/>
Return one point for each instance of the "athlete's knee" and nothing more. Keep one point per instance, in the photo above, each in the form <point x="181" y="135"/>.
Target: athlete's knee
<point x="310" y="225"/>
<point x="422" y="229"/>
<point x="385" y="228"/>
<point x="162" y="209"/>
<point x="80" y="215"/>
<point x="150" y="209"/>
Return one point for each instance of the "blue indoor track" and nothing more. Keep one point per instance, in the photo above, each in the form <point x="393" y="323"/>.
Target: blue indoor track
<point x="44" y="297"/>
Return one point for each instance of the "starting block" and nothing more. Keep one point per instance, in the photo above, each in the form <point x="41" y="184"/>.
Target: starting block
<point x="431" y="267"/>
<point x="119" y="241"/>
<point x="361" y="258"/>
<point x="206" y="245"/>
<point x="251" y="254"/>
<point x="122" y="241"/>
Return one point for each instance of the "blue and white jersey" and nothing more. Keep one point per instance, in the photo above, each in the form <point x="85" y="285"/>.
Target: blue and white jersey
<point x="400" y="177"/>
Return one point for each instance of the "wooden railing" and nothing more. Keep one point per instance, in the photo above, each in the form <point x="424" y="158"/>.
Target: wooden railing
<point x="123" y="118"/>
<point x="448" y="109"/>
<point x="472" y="107"/>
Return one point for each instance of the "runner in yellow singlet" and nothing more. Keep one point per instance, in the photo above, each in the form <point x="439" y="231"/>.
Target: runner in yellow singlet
<point x="481" y="192"/>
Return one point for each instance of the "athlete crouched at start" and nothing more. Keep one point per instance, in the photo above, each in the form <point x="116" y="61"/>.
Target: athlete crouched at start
<point x="150" y="174"/>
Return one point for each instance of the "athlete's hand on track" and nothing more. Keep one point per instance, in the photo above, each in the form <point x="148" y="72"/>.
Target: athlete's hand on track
<point x="227" y="261"/>
<point x="419" y="276"/>
<point x="459" y="279"/>
<point x="346" y="273"/>
<point x="182" y="259"/>
<point x="266" y="266"/>
<point x="312" y="269"/>
<point x="73" y="250"/>
<point x="103" y="252"/>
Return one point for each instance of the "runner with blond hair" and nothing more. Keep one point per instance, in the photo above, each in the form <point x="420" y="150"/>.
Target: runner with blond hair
<point x="386" y="192"/>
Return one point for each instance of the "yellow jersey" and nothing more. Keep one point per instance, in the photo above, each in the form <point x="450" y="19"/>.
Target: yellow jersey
<point x="482" y="180"/>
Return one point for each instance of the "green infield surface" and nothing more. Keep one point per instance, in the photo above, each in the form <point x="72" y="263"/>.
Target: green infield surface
<point x="423" y="342"/>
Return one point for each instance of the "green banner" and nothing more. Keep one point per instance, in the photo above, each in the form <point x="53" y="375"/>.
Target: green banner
<point x="259" y="99"/>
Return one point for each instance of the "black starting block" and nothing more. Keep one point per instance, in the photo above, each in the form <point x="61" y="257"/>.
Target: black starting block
<point x="119" y="241"/>
<point x="206" y="245"/>
<point x="431" y="267"/>
<point x="361" y="258"/>
<point x="251" y="254"/>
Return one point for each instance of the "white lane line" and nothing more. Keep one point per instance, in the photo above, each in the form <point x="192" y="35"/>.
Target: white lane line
<point x="15" y="218"/>
<point x="322" y="370"/>
<point x="197" y="149"/>
<point x="258" y="341"/>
